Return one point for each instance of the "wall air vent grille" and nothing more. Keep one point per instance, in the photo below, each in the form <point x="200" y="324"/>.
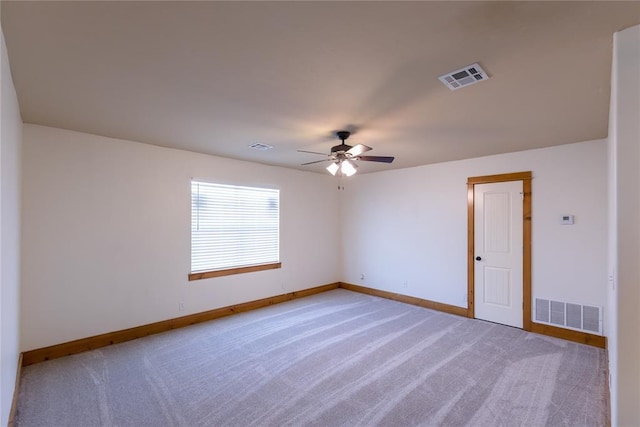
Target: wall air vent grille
<point x="557" y="313"/>
<point x="591" y="319"/>
<point x="567" y="315"/>
<point x="542" y="310"/>
<point x="574" y="316"/>
<point x="464" y="77"/>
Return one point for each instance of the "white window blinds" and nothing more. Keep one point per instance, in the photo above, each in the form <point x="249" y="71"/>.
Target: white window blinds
<point x="233" y="226"/>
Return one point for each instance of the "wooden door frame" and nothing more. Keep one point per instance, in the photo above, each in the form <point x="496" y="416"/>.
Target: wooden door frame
<point x="525" y="177"/>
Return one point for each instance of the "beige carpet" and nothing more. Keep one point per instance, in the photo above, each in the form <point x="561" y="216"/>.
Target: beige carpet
<point x="334" y="359"/>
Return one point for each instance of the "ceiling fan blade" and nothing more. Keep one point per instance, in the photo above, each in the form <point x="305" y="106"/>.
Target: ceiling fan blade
<point x="356" y="150"/>
<point x="317" y="161"/>
<point x="312" y="152"/>
<point x="381" y="159"/>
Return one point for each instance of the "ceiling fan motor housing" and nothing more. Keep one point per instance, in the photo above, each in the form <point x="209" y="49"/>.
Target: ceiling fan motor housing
<point x="339" y="148"/>
<point x="342" y="136"/>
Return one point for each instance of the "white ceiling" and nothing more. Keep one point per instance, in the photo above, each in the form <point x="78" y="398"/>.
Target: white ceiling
<point x="215" y="77"/>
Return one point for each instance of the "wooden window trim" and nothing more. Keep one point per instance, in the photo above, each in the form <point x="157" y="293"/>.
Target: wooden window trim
<point x="236" y="270"/>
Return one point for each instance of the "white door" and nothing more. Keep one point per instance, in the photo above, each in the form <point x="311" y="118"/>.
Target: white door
<point x="498" y="252"/>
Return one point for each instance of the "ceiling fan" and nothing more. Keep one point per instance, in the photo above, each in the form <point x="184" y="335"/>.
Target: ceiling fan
<point x="343" y="156"/>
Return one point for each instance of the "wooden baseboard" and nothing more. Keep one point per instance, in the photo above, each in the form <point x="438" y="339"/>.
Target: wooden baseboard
<point x="16" y="390"/>
<point x="569" y="335"/>
<point x="103" y="340"/>
<point x="451" y="309"/>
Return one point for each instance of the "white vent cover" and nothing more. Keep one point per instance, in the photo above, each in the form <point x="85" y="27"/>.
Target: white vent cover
<point x="464" y="77"/>
<point x="260" y="146"/>
<point x="567" y="315"/>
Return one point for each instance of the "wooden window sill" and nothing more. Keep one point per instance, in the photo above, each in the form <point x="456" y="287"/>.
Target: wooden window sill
<point x="229" y="271"/>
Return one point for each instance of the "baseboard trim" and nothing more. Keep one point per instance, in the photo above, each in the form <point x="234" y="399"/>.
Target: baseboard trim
<point x="569" y="335"/>
<point x="16" y="390"/>
<point x="91" y="343"/>
<point x="451" y="309"/>
<point x="552" y="331"/>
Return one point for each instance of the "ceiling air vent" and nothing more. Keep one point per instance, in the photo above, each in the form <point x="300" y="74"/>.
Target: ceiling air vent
<point x="464" y="77"/>
<point x="261" y="147"/>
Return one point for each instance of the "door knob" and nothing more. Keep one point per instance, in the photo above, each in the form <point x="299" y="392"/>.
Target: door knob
<point x="478" y="258"/>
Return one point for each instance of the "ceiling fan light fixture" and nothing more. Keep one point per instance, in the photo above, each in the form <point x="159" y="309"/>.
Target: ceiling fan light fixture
<point x="348" y="168"/>
<point x="333" y="168"/>
<point x="342" y="156"/>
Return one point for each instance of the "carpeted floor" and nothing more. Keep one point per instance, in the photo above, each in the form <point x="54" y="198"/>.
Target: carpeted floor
<point x="332" y="359"/>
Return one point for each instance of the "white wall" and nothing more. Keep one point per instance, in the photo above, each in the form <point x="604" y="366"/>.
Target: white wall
<point x="10" y="145"/>
<point x="624" y="229"/>
<point x="106" y="234"/>
<point x="411" y="225"/>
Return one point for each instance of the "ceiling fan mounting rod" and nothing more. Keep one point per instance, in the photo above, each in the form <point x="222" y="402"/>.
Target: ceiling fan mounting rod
<point x="343" y="135"/>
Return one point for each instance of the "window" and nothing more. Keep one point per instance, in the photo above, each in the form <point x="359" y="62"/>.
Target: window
<point x="233" y="229"/>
